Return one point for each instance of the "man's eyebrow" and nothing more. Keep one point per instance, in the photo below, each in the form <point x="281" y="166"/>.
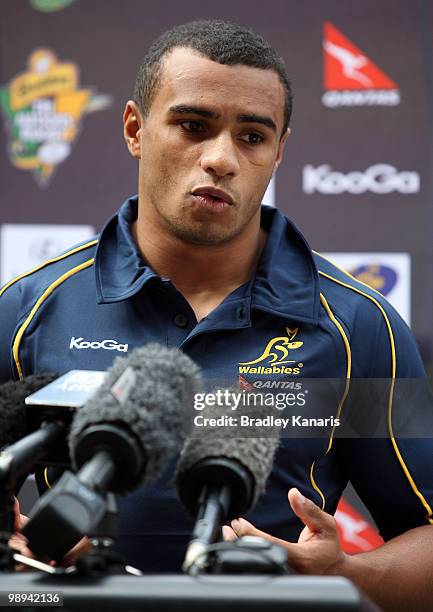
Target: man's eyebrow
<point x="193" y="110"/>
<point x="267" y="121"/>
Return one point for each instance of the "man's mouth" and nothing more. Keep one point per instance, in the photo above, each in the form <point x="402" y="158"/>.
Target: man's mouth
<point x="212" y="198"/>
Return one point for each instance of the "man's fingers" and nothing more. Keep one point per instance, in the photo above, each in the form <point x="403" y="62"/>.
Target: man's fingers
<point x="19" y="543"/>
<point x="19" y="519"/>
<point x="17" y="515"/>
<point x="228" y="534"/>
<point x="311" y="515"/>
<point x="242" y="527"/>
<point x="82" y="547"/>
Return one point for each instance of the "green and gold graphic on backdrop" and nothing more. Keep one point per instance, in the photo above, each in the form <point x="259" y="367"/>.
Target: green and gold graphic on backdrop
<point x="44" y="107"/>
<point x="49" y="6"/>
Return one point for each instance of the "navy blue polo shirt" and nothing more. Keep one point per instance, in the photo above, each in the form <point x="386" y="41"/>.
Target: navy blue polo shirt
<point x="100" y="300"/>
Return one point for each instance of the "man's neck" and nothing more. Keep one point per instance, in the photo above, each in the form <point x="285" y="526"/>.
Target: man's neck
<point x="204" y="274"/>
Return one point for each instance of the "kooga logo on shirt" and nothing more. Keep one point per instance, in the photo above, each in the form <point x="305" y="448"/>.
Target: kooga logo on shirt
<point x="379" y="178"/>
<point x="108" y="345"/>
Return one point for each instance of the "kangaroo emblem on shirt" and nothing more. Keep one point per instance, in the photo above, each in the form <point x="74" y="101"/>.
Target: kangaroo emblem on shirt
<point x="277" y="349"/>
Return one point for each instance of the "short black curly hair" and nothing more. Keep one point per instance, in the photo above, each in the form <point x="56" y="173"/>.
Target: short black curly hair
<point x="221" y="41"/>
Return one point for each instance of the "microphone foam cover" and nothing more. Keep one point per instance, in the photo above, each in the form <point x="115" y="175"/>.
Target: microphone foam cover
<point x="152" y="408"/>
<point x="253" y="446"/>
<point x="13" y="411"/>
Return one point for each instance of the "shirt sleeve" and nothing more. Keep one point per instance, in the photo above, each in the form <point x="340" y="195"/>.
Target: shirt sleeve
<point x="10" y="303"/>
<point x="392" y="472"/>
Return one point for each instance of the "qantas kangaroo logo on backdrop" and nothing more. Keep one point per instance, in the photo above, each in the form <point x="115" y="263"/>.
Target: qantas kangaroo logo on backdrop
<point x="350" y="78"/>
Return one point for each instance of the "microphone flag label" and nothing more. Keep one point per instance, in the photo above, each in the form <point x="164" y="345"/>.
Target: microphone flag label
<point x="72" y="390"/>
<point x="124" y="385"/>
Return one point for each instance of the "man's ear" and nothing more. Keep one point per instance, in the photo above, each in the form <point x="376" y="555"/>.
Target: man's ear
<point x="132" y="124"/>
<point x="281" y="148"/>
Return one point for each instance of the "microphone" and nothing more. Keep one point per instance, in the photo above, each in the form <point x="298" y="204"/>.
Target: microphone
<point x="122" y="438"/>
<point x="47" y="425"/>
<point x="220" y="478"/>
<point x="34" y="416"/>
<point x="14" y="423"/>
<point x="20" y="448"/>
<point x="18" y="458"/>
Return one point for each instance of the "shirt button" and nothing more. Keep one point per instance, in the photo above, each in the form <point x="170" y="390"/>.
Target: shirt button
<point x="180" y="320"/>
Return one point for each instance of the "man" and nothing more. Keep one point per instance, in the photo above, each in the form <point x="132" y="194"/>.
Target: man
<point x="196" y="262"/>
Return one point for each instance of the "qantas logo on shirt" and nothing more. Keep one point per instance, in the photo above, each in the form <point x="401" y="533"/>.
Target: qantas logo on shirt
<point x="108" y="345"/>
<point x="350" y="77"/>
<point x="274" y="357"/>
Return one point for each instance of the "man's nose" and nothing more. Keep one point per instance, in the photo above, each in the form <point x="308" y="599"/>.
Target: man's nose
<point x="220" y="156"/>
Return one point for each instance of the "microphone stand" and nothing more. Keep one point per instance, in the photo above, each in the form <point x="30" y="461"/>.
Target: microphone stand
<point x="16" y="460"/>
<point x="102" y="559"/>
<point x="250" y="555"/>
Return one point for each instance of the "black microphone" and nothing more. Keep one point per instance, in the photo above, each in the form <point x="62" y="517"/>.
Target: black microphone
<point x="34" y="417"/>
<point x="219" y="478"/>
<point x="122" y="438"/>
<point x="20" y="449"/>
<point x="20" y="445"/>
<point x="14" y="421"/>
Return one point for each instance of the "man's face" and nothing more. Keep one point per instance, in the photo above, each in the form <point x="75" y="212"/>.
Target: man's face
<point x="208" y="146"/>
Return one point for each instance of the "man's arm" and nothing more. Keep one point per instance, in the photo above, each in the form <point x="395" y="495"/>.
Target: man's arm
<point x="397" y="576"/>
<point x="10" y="304"/>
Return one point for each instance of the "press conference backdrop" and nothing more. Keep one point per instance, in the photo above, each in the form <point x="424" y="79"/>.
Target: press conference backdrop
<point x="357" y="168"/>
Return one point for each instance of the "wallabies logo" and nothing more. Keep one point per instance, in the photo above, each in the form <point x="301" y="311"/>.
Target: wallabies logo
<point x="275" y="356"/>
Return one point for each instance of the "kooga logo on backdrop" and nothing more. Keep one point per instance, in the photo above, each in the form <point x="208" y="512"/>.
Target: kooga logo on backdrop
<point x="379" y="178"/>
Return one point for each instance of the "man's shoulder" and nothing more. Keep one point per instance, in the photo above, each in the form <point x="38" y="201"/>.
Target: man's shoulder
<point x="22" y="296"/>
<point x="39" y="279"/>
<point x="375" y="329"/>
<point x="350" y="294"/>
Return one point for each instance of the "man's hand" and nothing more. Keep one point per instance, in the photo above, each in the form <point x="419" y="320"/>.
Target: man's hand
<point x="19" y="542"/>
<point x="397" y="576"/>
<point x="318" y="549"/>
<point x="82" y="547"/>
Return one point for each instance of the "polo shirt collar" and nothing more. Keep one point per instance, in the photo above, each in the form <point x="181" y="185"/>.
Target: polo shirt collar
<point x="286" y="281"/>
<point x="285" y="284"/>
<point x="120" y="270"/>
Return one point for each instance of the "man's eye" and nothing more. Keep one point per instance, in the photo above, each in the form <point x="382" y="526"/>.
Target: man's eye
<point x="192" y="126"/>
<point x="252" y="138"/>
